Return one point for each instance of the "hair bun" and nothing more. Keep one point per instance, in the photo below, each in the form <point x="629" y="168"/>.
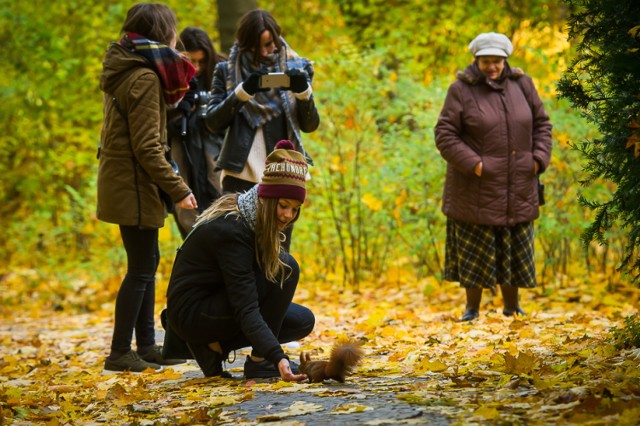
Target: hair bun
<point x="285" y="144"/>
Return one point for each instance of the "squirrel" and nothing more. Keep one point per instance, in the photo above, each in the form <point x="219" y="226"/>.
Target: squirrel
<point x="344" y="356"/>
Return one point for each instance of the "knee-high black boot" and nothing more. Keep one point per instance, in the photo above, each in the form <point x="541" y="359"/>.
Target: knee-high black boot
<point x="511" y="302"/>
<point x="472" y="309"/>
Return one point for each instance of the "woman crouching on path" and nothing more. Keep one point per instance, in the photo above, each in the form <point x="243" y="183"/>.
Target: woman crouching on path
<point x="232" y="283"/>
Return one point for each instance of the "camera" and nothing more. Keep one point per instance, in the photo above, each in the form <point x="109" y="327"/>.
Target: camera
<point x="201" y="99"/>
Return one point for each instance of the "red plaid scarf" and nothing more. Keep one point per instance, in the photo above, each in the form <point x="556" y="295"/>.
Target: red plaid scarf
<point x="174" y="70"/>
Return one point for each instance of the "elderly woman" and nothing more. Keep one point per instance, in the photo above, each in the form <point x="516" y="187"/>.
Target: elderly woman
<point x="495" y="136"/>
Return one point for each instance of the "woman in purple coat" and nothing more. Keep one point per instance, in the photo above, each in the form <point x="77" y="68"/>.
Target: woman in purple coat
<point x="495" y="136"/>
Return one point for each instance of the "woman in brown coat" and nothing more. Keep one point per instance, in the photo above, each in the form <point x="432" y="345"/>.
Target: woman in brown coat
<point x="495" y="136"/>
<point x="141" y="75"/>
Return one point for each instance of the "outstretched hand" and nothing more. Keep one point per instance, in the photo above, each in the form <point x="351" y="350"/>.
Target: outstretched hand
<point x="286" y="374"/>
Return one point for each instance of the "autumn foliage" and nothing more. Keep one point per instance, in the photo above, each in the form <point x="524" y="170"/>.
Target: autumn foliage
<point x="370" y="240"/>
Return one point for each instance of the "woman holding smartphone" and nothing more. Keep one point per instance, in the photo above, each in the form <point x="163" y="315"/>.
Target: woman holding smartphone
<point x="255" y="118"/>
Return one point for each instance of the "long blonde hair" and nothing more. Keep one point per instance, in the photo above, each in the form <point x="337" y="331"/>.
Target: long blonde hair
<point x="269" y="239"/>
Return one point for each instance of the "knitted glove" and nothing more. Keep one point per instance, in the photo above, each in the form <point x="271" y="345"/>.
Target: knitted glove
<point x="187" y="102"/>
<point x="252" y="84"/>
<point x="298" y="80"/>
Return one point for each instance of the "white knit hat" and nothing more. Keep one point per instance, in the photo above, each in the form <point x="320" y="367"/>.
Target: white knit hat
<point x="491" y="44"/>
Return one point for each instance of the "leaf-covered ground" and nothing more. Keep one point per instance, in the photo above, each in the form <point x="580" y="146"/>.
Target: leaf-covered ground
<point x="555" y="366"/>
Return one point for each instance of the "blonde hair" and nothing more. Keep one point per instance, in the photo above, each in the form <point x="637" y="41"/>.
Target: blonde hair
<point x="269" y="239"/>
<point x="226" y="204"/>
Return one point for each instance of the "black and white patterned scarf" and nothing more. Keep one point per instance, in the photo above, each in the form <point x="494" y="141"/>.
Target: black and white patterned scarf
<point x="248" y="206"/>
<point x="267" y="105"/>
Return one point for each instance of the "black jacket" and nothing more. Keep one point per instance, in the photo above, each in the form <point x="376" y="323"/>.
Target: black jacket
<point x="218" y="260"/>
<point x="224" y="114"/>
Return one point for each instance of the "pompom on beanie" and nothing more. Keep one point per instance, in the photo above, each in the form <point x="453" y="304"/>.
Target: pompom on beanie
<point x="285" y="173"/>
<point x="491" y="44"/>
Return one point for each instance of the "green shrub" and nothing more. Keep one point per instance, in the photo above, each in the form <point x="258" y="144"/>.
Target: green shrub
<point x="627" y="336"/>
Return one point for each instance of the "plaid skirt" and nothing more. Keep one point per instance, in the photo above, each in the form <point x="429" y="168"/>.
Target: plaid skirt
<point x="484" y="255"/>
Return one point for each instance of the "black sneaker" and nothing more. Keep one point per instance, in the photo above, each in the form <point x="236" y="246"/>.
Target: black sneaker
<point x="130" y="361"/>
<point x="265" y="369"/>
<point x="210" y="362"/>
<point x="155" y="356"/>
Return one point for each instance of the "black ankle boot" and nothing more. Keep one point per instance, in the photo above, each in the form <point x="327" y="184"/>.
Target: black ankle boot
<point x="511" y="301"/>
<point x="470" y="315"/>
<point x="210" y="362"/>
<point x="518" y="311"/>
<point x="472" y="308"/>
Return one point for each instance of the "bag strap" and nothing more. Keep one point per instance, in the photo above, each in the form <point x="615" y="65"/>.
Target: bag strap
<point x="540" y="184"/>
<point x="524" y="92"/>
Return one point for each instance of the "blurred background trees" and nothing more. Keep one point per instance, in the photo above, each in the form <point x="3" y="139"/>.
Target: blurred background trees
<point x="373" y="214"/>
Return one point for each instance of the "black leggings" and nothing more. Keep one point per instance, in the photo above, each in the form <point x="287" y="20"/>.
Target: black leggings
<point x="213" y="321"/>
<point x="136" y="296"/>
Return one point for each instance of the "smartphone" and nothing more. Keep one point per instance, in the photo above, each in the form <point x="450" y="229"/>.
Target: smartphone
<point x="274" y="80"/>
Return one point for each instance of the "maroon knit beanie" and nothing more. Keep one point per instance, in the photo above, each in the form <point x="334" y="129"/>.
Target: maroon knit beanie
<point x="285" y="174"/>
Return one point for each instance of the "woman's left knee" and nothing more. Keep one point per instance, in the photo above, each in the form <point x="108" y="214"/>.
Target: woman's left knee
<point x="292" y="274"/>
<point x="309" y="321"/>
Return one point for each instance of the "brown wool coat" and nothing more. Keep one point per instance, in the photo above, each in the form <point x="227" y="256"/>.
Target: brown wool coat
<point x="492" y="122"/>
<point x="132" y="162"/>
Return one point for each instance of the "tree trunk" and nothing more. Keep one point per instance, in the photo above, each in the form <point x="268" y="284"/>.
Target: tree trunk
<point x="229" y="13"/>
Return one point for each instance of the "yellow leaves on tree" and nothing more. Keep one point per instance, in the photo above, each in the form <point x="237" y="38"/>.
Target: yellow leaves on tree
<point x="371" y="202"/>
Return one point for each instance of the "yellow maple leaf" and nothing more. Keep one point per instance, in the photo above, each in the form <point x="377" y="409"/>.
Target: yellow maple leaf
<point x="488" y="413"/>
<point x="523" y="363"/>
<point x="351" y="408"/>
<point x="635" y="31"/>
<point x="434" y="366"/>
<point x="634" y="141"/>
<point x="169" y="374"/>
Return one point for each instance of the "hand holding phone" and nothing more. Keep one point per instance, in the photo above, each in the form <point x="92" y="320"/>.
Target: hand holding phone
<point x="298" y="80"/>
<point x="274" y="80"/>
<point x="252" y="84"/>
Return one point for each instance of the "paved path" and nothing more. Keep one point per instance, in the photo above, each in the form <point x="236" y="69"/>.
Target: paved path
<point x="359" y="401"/>
<point x="365" y="401"/>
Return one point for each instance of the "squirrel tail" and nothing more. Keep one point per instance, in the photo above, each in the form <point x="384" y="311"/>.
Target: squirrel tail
<point x="343" y="358"/>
